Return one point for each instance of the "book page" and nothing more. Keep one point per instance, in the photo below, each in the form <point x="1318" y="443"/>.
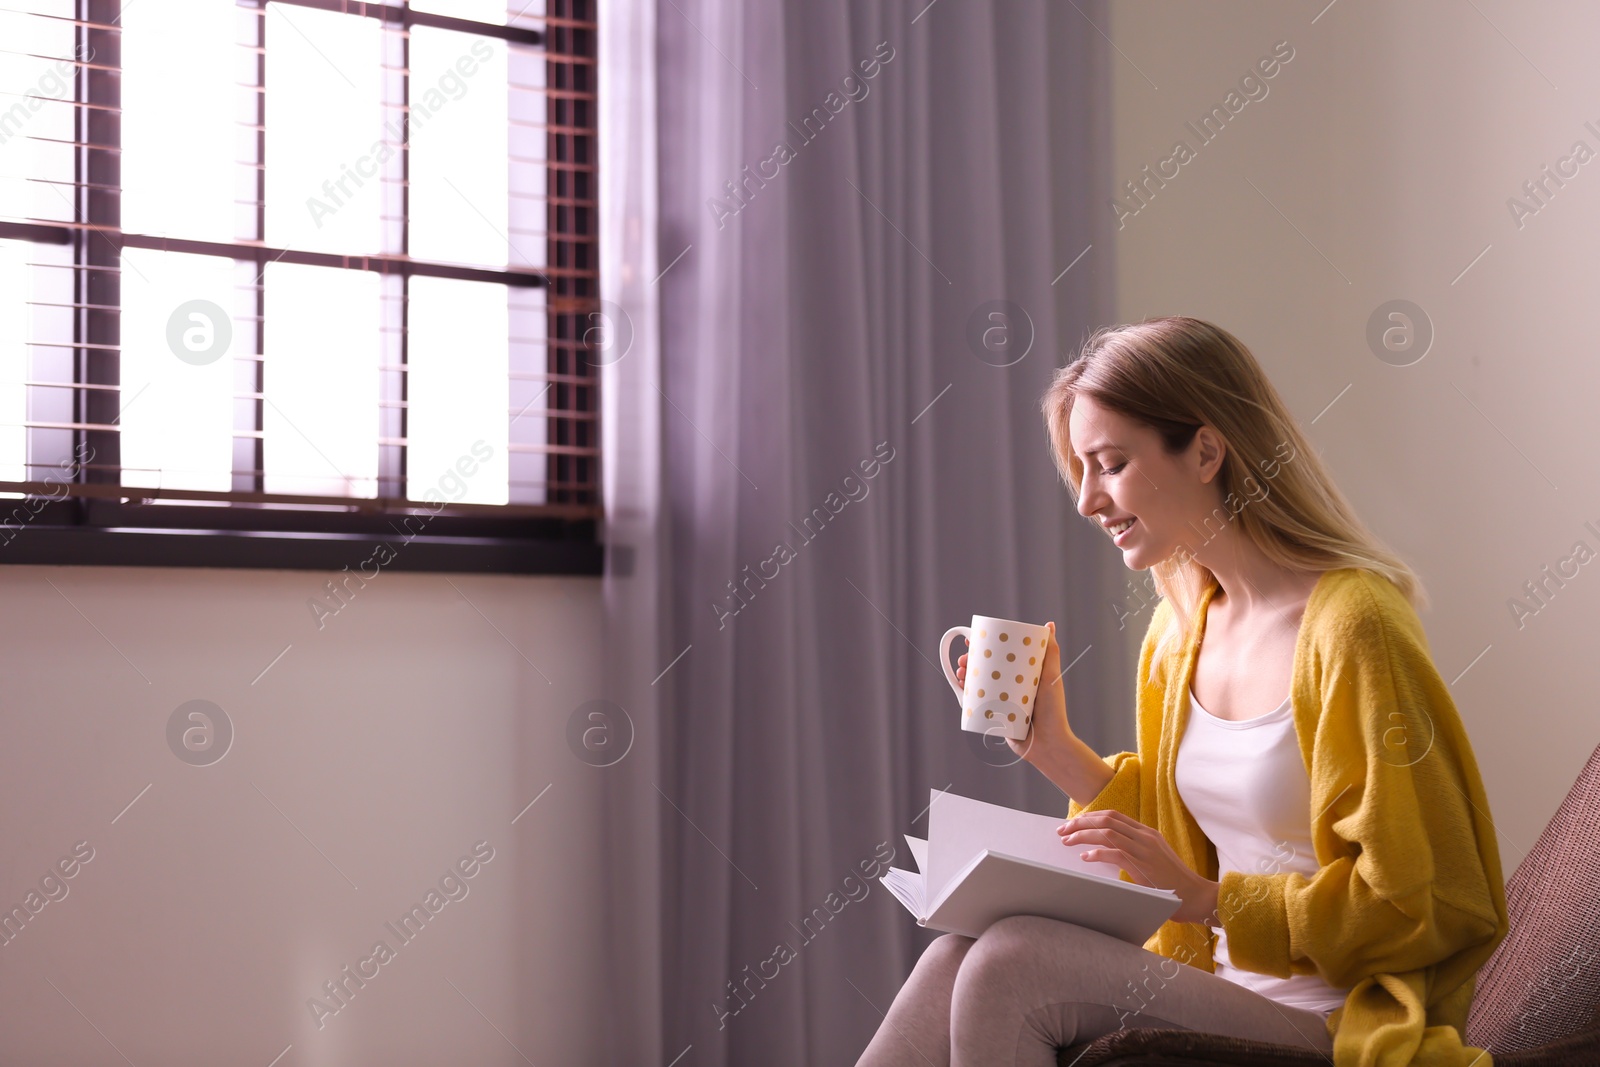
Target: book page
<point x="907" y="889"/>
<point x="919" y="852"/>
<point x="959" y="828"/>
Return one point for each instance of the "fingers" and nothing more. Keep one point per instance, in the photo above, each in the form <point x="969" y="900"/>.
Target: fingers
<point x="1105" y="817"/>
<point x="1105" y="846"/>
<point x="1105" y="828"/>
<point x="1121" y="859"/>
<point x="1052" y="659"/>
<point x="1109" y="846"/>
<point x="1102" y="827"/>
<point x="1100" y="815"/>
<point x="1097" y="835"/>
<point x="1113" y="837"/>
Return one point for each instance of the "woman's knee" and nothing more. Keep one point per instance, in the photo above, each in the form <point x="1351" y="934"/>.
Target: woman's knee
<point x="1017" y="950"/>
<point x="1021" y="936"/>
<point x="943" y="958"/>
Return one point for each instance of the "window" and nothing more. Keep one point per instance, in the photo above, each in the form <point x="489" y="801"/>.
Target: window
<point x="297" y="275"/>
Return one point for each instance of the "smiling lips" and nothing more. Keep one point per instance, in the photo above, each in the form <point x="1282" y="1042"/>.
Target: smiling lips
<point x="1118" y="528"/>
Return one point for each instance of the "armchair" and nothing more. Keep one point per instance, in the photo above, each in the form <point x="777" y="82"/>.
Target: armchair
<point x="1537" y="1002"/>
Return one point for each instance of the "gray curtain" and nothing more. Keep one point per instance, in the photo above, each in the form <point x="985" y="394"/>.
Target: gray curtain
<point x="850" y="459"/>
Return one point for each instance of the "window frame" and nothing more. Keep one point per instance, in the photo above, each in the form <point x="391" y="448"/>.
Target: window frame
<point x="89" y="517"/>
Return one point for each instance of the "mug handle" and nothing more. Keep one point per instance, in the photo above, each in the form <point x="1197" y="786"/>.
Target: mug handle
<point x="944" y="655"/>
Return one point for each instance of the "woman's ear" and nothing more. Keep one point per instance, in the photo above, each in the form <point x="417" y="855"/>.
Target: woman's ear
<point x="1209" y="452"/>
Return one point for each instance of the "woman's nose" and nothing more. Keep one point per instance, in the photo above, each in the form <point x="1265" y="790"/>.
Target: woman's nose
<point x="1089" y="496"/>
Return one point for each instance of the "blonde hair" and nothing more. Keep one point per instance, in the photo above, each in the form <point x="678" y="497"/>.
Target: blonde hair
<point x="1174" y="374"/>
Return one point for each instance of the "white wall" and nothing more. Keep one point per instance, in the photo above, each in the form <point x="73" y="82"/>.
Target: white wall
<point x="366" y="761"/>
<point x="1391" y="143"/>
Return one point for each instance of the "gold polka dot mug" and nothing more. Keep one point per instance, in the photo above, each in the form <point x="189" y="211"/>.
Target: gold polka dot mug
<point x="1004" y="658"/>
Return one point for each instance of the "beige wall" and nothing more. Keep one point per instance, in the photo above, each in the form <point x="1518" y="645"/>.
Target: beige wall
<point x="1391" y="142"/>
<point x="392" y="741"/>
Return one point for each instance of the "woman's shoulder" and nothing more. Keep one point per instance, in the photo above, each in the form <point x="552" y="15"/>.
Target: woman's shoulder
<point x="1359" y="608"/>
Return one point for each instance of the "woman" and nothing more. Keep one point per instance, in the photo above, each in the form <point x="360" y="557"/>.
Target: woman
<point x="1302" y="779"/>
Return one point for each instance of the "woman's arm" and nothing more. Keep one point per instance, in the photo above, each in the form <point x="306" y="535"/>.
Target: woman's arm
<point x="1091" y="783"/>
<point x="1074" y="768"/>
<point x="1051" y="746"/>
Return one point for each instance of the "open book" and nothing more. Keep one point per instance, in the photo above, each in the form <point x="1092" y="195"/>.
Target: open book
<point x="984" y="862"/>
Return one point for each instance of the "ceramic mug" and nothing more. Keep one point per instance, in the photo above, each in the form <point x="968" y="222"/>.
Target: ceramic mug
<point x="1004" y="659"/>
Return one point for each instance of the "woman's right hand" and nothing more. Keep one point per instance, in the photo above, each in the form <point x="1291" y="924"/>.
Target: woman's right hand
<point x="1050" y="738"/>
<point x="1050" y="735"/>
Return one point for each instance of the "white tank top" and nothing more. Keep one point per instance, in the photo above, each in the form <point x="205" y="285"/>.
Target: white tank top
<point x="1245" y="784"/>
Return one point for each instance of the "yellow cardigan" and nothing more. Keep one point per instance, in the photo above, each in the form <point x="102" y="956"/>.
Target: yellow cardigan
<point x="1409" y="901"/>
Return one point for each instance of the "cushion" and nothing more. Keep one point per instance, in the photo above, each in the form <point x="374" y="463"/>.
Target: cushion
<point x="1543" y="982"/>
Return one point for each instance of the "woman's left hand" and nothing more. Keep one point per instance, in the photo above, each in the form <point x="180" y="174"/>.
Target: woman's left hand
<point x="1149" y="860"/>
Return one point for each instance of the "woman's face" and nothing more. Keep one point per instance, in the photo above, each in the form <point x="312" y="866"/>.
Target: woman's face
<point x="1127" y="474"/>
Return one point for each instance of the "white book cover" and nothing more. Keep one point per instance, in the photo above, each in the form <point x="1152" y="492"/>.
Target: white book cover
<point x="985" y="862"/>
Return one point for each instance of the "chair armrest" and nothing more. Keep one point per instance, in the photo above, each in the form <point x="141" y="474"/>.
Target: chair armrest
<point x="1576" y="1050"/>
<point x="1152" y="1047"/>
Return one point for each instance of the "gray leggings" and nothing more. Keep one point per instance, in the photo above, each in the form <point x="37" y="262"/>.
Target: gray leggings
<point x="1030" y="986"/>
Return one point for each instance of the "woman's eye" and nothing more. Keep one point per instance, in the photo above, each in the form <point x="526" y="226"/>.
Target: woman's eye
<point x="1113" y="470"/>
